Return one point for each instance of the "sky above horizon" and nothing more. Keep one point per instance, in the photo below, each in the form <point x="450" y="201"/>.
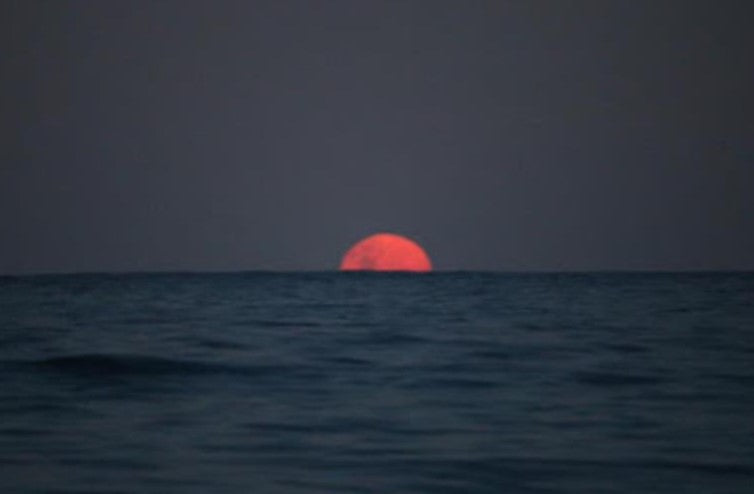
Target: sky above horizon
<point x="272" y="135"/>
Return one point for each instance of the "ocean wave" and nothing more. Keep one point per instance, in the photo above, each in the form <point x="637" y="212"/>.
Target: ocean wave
<point x="113" y="365"/>
<point x="611" y="379"/>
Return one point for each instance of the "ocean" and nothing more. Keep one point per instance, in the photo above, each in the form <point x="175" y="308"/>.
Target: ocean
<point x="377" y="383"/>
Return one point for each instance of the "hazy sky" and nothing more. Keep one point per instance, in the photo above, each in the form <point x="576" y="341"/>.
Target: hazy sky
<point x="505" y="135"/>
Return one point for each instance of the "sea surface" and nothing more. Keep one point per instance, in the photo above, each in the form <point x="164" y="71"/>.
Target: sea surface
<point x="377" y="383"/>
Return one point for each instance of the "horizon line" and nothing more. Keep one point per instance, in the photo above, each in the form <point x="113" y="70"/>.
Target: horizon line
<point x="369" y="272"/>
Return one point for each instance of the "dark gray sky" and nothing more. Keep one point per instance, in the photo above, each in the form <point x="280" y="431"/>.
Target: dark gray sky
<point x="505" y="135"/>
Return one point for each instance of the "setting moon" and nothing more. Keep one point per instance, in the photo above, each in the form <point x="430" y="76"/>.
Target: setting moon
<point x="386" y="252"/>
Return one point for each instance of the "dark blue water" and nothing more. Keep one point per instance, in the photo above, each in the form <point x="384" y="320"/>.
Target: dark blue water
<point x="377" y="383"/>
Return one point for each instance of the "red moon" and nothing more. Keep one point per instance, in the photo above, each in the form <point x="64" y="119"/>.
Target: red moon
<point x="386" y="252"/>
